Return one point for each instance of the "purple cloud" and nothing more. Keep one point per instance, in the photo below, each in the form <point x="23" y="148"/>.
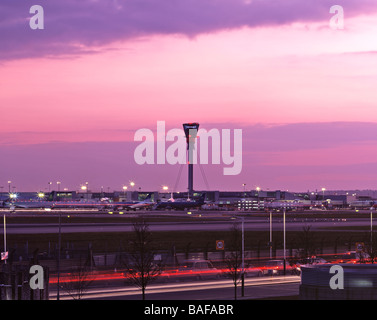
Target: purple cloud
<point x="74" y="27"/>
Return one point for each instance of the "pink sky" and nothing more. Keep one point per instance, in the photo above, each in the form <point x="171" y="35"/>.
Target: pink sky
<point x="268" y="76"/>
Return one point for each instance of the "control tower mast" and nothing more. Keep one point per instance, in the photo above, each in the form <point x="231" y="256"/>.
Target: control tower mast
<point x="191" y="131"/>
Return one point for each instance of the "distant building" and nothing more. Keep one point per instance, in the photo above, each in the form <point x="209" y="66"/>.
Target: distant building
<point x="62" y="196"/>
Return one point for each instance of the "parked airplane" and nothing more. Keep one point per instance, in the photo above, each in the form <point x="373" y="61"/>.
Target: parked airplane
<point x="13" y="203"/>
<point x="180" y="205"/>
<point x="145" y="204"/>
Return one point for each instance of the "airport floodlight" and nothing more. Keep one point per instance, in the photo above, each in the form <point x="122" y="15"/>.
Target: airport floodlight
<point x="165" y="188"/>
<point x="132" y="184"/>
<point x="41" y="195"/>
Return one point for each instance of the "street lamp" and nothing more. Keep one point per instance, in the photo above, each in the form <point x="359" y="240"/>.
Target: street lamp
<point x="9" y="183"/>
<point x="58" y="183"/>
<point x="243" y="258"/>
<point x="87" y="186"/>
<point x="371" y="228"/>
<point x="84" y="188"/>
<point x="258" y="189"/>
<point x="284" y="242"/>
<point x="59" y="248"/>
<point x="270" y="234"/>
<point x="5" y="241"/>
<point x="323" y="193"/>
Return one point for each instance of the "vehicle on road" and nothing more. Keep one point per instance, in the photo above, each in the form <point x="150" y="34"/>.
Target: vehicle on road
<point x="252" y="271"/>
<point x="354" y="257"/>
<point x="309" y="261"/>
<point x="276" y="267"/>
<point x="198" y="269"/>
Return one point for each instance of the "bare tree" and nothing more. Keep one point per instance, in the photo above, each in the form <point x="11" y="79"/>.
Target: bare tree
<point x="77" y="282"/>
<point x="307" y="245"/>
<point x="140" y="267"/>
<point x="233" y="260"/>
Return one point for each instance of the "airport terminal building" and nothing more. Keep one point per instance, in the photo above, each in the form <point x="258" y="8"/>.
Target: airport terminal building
<point x="247" y="200"/>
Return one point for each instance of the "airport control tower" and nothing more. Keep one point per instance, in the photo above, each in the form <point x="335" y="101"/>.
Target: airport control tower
<point x="191" y="130"/>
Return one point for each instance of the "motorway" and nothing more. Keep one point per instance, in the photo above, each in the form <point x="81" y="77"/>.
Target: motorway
<point x="255" y="288"/>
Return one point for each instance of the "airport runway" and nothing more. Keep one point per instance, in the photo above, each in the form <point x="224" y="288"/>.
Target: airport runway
<point x="250" y="224"/>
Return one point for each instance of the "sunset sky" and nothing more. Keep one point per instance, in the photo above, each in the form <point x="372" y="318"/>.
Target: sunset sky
<point x="73" y="95"/>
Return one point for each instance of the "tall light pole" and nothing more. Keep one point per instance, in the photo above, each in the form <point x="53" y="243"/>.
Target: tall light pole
<point x="243" y="258"/>
<point x="270" y="234"/>
<point x="284" y="241"/>
<point x="84" y="188"/>
<point x="258" y="189"/>
<point x="87" y="190"/>
<point x="5" y="240"/>
<point x="59" y="246"/>
<point x="371" y="228"/>
<point x="9" y="183"/>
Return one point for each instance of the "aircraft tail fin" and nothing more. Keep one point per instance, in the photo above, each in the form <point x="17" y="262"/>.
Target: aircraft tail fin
<point x="202" y="198"/>
<point x="148" y="197"/>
